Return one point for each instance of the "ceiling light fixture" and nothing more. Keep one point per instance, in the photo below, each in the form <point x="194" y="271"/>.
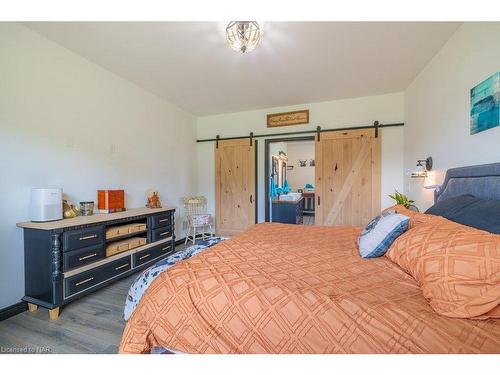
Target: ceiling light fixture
<point x="243" y="36"/>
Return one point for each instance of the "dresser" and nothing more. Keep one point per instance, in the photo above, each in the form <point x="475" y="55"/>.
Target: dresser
<point x="68" y="259"/>
<point x="288" y="212"/>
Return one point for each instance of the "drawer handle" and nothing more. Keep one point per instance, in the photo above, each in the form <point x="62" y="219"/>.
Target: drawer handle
<point x="144" y="256"/>
<point x="164" y="233"/>
<point x="165" y="248"/>
<point x="87" y="257"/>
<point x="88" y="237"/>
<point x="120" y="267"/>
<point x="162" y="220"/>
<point x="84" y="281"/>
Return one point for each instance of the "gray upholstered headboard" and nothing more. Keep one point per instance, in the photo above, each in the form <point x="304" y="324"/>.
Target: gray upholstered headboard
<point x="482" y="181"/>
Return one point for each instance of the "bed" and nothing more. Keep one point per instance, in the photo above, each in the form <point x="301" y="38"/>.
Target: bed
<point x="279" y="288"/>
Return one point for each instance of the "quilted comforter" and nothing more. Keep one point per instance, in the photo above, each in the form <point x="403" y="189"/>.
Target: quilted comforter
<point x="144" y="280"/>
<point x="279" y="288"/>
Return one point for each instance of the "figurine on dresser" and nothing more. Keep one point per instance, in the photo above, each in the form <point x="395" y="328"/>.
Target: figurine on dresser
<point x="153" y="200"/>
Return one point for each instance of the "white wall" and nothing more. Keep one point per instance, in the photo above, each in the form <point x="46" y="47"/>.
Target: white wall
<point x="437" y="106"/>
<point x="387" y="108"/>
<point x="299" y="176"/>
<point x="59" y="116"/>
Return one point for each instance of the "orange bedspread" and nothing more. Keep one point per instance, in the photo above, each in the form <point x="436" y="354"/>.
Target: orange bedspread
<point x="280" y="288"/>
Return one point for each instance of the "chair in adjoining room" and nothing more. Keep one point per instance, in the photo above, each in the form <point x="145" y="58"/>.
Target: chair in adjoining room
<point x="198" y="221"/>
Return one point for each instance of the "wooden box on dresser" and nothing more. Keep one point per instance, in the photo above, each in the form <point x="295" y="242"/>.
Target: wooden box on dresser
<point x="66" y="259"/>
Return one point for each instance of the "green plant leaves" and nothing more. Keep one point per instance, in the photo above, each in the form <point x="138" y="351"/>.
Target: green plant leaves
<point x="401" y="199"/>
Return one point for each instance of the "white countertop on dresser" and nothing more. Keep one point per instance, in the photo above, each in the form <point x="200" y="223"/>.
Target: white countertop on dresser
<point x="92" y="219"/>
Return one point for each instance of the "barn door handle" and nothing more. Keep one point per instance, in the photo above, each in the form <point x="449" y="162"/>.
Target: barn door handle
<point x="319" y="200"/>
<point x="251" y="198"/>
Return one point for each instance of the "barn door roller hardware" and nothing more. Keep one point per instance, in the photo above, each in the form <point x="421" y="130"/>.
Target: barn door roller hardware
<point x="376" y="125"/>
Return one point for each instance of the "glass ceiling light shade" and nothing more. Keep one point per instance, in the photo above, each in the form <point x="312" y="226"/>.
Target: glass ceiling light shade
<point x="243" y="36"/>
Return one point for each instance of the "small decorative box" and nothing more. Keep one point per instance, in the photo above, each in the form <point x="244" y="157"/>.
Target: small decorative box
<point x="109" y="201"/>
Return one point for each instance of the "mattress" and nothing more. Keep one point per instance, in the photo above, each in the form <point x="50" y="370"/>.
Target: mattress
<point x="279" y="288"/>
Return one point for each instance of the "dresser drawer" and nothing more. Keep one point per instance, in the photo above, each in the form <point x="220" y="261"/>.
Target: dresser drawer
<point x="81" y="257"/>
<point x="88" y="279"/>
<point x="147" y="255"/>
<point x="161" y="220"/>
<point x="78" y="238"/>
<point x="162" y="233"/>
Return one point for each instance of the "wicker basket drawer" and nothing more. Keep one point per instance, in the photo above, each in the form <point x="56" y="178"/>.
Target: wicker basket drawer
<point x="123" y="230"/>
<point x="124" y="245"/>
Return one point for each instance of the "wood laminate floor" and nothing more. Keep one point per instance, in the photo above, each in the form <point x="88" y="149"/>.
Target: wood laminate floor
<point x="92" y="324"/>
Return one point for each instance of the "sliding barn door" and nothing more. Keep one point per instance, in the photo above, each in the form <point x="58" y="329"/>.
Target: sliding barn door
<point x="347" y="177"/>
<point x="234" y="186"/>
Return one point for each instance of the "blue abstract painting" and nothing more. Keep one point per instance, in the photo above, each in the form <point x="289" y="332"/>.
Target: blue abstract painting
<point x="485" y="104"/>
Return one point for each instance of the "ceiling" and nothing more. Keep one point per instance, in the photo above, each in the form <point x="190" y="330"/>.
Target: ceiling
<point x="190" y="64"/>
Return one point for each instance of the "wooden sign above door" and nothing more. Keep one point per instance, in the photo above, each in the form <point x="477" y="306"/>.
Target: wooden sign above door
<point x="288" y="118"/>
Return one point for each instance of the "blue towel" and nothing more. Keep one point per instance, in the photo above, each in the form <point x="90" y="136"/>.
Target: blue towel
<point x="272" y="188"/>
<point x="286" y="187"/>
<point x="309" y="186"/>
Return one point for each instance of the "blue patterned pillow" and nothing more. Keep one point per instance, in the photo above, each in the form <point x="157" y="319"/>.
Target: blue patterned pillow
<point x="380" y="233"/>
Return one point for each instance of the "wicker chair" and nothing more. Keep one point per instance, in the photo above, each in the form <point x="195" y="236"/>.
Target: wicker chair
<point x="198" y="221"/>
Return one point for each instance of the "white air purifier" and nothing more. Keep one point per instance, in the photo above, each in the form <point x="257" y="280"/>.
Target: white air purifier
<point x="46" y="205"/>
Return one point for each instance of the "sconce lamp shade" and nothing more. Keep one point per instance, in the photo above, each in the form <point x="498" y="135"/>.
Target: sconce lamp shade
<point x="430" y="182"/>
<point x="432" y="187"/>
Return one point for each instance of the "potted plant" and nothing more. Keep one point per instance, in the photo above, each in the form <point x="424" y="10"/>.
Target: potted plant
<point x="403" y="200"/>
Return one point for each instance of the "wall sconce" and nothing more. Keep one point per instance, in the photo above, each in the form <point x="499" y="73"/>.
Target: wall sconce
<point x="423" y="166"/>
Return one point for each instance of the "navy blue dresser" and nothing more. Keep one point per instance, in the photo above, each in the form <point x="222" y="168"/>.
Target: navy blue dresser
<point x="68" y="259"/>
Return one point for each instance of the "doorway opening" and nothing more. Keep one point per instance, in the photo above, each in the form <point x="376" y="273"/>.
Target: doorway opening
<point x="289" y="180"/>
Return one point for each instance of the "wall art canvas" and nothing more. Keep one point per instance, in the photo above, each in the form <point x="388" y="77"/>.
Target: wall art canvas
<point x="485" y="104"/>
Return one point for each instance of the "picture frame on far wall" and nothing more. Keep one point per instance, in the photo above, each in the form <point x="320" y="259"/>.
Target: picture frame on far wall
<point x="288" y="118"/>
<point x="485" y="104"/>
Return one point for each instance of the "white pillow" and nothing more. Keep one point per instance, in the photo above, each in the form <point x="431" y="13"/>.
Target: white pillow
<point x="380" y="233"/>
